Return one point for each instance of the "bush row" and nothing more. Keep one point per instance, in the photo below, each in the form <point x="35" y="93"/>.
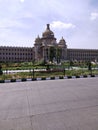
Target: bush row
<point x="44" y="78"/>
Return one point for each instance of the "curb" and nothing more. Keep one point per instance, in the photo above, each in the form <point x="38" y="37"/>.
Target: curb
<point x="48" y="78"/>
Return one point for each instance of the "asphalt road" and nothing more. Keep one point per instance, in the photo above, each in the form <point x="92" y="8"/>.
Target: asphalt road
<point x="67" y="104"/>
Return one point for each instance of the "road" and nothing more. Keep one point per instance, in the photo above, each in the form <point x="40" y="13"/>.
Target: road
<point x="67" y="104"/>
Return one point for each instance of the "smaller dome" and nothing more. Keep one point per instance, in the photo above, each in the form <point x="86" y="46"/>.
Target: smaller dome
<point x="62" y="42"/>
<point x="37" y="39"/>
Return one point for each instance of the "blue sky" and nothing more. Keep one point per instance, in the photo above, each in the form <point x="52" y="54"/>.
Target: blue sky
<point x="21" y="21"/>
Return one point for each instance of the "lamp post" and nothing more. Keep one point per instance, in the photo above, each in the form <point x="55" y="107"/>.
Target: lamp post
<point x="1" y="70"/>
<point x="33" y="68"/>
<point x="64" y="71"/>
<point x="6" y="67"/>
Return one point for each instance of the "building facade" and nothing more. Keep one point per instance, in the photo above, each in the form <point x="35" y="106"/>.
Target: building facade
<point x="16" y="54"/>
<point x="47" y="49"/>
<point x="43" y="48"/>
<point x="83" y="54"/>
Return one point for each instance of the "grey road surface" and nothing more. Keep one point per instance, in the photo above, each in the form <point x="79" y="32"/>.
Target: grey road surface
<point x="67" y="104"/>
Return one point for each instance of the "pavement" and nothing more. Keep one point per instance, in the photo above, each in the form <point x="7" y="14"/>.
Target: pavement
<point x="70" y="104"/>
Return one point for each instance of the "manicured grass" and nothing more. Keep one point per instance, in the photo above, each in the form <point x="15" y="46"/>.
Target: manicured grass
<point x="45" y="74"/>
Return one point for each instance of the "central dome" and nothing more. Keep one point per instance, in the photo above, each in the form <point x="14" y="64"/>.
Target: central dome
<point x="48" y="33"/>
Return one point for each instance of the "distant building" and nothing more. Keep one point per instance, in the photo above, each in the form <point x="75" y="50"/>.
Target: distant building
<point x="83" y="54"/>
<point x="43" y="48"/>
<point x="47" y="49"/>
<point x="15" y="54"/>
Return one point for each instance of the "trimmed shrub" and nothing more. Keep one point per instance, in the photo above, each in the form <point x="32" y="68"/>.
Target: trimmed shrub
<point x="1" y="81"/>
<point x="85" y="76"/>
<point x="61" y="77"/>
<point x="77" y="76"/>
<point x="34" y="79"/>
<point x="92" y="75"/>
<point x="52" y="78"/>
<point x="43" y="78"/>
<point x="23" y="79"/>
<point x="13" y="80"/>
<point x="69" y="77"/>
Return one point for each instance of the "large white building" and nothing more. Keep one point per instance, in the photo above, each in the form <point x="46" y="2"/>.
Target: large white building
<point x="46" y="48"/>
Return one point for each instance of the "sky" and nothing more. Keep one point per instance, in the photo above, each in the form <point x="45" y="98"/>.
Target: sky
<point x="21" y="21"/>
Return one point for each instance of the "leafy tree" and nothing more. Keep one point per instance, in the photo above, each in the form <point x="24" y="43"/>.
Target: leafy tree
<point x="89" y="66"/>
<point x="71" y="63"/>
<point x="52" y="54"/>
<point x="59" y="54"/>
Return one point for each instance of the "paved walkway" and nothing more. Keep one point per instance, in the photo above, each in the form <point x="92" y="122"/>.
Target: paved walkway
<point x="70" y="104"/>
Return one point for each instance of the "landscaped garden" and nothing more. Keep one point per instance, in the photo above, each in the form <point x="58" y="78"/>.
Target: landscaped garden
<point x="29" y="70"/>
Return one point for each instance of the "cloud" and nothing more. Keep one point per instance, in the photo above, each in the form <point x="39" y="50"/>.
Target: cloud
<point x="9" y="24"/>
<point x="62" y="25"/>
<point x="22" y="1"/>
<point x="23" y="21"/>
<point x="94" y="16"/>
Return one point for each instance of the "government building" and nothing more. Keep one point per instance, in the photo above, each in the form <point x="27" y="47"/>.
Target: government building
<point x="47" y="49"/>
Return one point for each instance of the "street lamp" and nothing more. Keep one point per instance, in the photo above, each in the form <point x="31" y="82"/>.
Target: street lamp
<point x="33" y="68"/>
<point x="1" y="70"/>
<point x="90" y="67"/>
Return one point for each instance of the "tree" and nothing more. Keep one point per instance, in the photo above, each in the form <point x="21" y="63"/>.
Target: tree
<point x="59" y="54"/>
<point x="89" y="66"/>
<point x="52" y="54"/>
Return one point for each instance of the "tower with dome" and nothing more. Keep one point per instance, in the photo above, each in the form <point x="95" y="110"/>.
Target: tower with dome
<point x="46" y="47"/>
